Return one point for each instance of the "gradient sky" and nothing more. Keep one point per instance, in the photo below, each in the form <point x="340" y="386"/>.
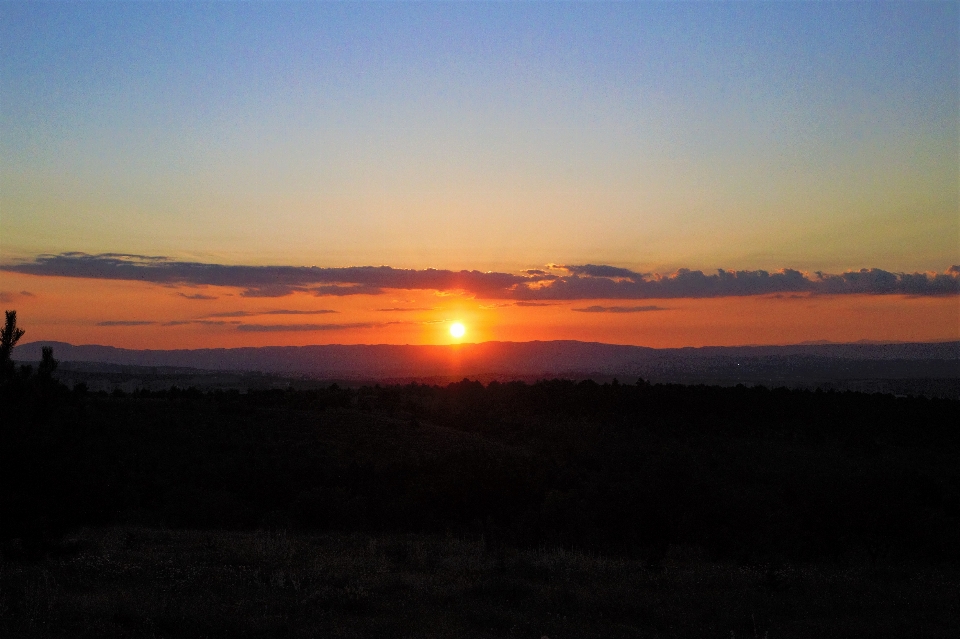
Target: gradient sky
<point x="644" y="136"/>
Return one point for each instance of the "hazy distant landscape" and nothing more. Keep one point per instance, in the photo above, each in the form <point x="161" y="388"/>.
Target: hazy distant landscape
<point x="926" y="369"/>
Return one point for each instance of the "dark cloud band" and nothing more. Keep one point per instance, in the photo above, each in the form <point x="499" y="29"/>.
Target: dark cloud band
<point x="618" y="309"/>
<point x="567" y="282"/>
<point x="267" y="281"/>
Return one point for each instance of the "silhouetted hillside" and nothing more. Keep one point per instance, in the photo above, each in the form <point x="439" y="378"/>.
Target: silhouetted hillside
<point x="929" y="369"/>
<point x="632" y="469"/>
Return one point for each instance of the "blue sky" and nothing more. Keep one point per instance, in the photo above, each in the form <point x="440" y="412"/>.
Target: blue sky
<point x="456" y="135"/>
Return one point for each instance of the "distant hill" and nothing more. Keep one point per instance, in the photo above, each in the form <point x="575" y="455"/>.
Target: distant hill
<point x="754" y="364"/>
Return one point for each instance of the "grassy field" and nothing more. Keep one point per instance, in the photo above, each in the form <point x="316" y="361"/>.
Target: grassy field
<point x="142" y="582"/>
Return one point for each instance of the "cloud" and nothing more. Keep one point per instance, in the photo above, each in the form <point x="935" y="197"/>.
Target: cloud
<point x="125" y="323"/>
<point x="605" y="282"/>
<point x="533" y="304"/>
<point x="277" y="328"/>
<point x="269" y="281"/>
<point x="273" y="290"/>
<point x="596" y="282"/>
<point x="619" y="309"/>
<point x="401" y="310"/>
<point x="876" y="281"/>
<point x="169" y="323"/>
<point x="321" y="311"/>
<point x="576" y="282"/>
<point x="595" y="270"/>
<point x="357" y="289"/>
<point x="200" y="322"/>
<point x="7" y="297"/>
<point x="198" y="296"/>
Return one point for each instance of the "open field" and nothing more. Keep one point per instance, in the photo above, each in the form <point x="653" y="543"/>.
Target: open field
<point x="142" y="582"/>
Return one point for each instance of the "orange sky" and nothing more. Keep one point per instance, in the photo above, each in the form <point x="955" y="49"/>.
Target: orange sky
<point x="70" y="309"/>
<point x="608" y="149"/>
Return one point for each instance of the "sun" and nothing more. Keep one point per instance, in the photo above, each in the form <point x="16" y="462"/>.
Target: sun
<point x="457" y="330"/>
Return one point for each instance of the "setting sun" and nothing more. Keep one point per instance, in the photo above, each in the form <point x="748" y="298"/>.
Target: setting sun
<point x="457" y="330"/>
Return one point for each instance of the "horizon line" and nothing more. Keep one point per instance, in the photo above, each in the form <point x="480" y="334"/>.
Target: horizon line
<point x="862" y="342"/>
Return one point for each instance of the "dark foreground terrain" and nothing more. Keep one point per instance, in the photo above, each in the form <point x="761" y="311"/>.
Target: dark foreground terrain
<point x="557" y="508"/>
<point x="140" y="582"/>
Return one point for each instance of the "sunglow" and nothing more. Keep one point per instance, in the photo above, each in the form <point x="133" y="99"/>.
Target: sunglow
<point x="457" y="330"/>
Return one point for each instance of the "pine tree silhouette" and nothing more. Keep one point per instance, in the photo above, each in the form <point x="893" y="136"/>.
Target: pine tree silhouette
<point x="9" y="336"/>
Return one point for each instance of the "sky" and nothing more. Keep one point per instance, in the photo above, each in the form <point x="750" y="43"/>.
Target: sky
<point x="663" y="174"/>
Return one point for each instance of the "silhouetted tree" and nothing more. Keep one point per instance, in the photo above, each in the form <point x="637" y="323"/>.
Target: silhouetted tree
<point x="47" y="363"/>
<point x="9" y="336"/>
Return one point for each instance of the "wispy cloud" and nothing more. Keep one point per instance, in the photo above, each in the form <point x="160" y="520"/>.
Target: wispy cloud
<point x="7" y="297"/>
<point x="283" y="328"/>
<point x="619" y="309"/>
<point x="197" y="296"/>
<point x="564" y="282"/>
<point x="201" y="322"/>
<point x="401" y="310"/>
<point x="126" y="323"/>
<point x="321" y="311"/>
